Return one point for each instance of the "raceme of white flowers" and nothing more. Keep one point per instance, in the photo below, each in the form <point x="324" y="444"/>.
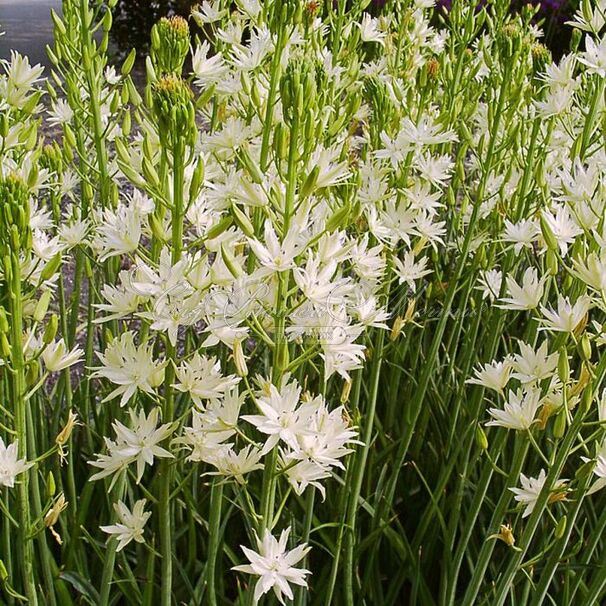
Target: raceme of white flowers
<point x="272" y="319"/>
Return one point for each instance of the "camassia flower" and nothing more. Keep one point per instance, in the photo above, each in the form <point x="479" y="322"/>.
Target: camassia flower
<point x="56" y="357"/>
<point x="10" y="463"/>
<point x="275" y="566"/>
<point x="519" y="412"/>
<point x="526" y="296"/>
<point x="130" y="367"/>
<point x="139" y="444"/>
<point x="130" y="523"/>
<point x="531" y="489"/>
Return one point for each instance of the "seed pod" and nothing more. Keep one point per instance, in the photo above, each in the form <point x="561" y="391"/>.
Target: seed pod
<point x="5" y="346"/>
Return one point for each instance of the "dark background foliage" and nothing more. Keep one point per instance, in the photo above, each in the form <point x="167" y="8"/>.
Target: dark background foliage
<point x="133" y="20"/>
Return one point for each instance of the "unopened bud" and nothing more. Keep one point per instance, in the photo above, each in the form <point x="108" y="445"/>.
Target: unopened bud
<point x="240" y="359"/>
<point x="561" y="528"/>
<point x="51" y="330"/>
<point x="42" y="306"/>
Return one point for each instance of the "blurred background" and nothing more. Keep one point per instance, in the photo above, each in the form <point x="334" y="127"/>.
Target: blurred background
<point x="28" y="27"/>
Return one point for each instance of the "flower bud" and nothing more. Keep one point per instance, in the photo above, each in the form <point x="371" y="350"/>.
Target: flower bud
<point x="243" y="222"/>
<point x="563" y="366"/>
<point x="42" y="306"/>
<point x="3" y="572"/>
<point x="169" y="45"/>
<point x="585" y="348"/>
<point x="481" y="439"/>
<point x="51" y="330"/>
<point x="51" y="486"/>
<point x="559" y="426"/>
<point x="561" y="528"/>
<point x="240" y="359"/>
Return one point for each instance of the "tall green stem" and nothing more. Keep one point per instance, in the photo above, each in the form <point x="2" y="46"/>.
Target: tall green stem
<point x="18" y="392"/>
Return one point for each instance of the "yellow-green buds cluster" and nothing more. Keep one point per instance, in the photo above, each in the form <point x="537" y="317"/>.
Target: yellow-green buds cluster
<point x="15" y="232"/>
<point x="174" y="109"/>
<point x="169" y="45"/>
<point x="298" y="89"/>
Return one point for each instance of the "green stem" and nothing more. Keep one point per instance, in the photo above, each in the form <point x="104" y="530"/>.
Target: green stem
<point x="359" y="466"/>
<point x="18" y="393"/>
<point x="110" y="556"/>
<point x="168" y="412"/>
<point x="216" y="501"/>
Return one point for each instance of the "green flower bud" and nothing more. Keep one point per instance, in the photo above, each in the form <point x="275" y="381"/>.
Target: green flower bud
<point x="32" y="373"/>
<point x="561" y="528"/>
<point x="42" y="306"/>
<point x="4" y="326"/>
<point x="51" y="486"/>
<point x="51" y="330"/>
<point x="481" y="439"/>
<point x="563" y="366"/>
<point x="170" y="45"/>
<point x="243" y="222"/>
<point x="585" y="348"/>
<point x="15" y="232"/>
<point x="174" y="109"/>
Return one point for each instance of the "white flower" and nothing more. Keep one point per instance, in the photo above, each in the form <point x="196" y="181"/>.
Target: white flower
<point x="119" y="231"/>
<point x="201" y="377"/>
<point x="522" y="234"/>
<point x="56" y="357"/>
<point x="369" y="30"/>
<point x="275" y="255"/>
<point x="275" y="566"/>
<point x="592" y="271"/>
<point x="600" y="467"/>
<point x="130" y="524"/>
<point x="563" y="227"/>
<point x="532" y="366"/>
<point x="519" y="411"/>
<point x="493" y="375"/>
<point x="594" y="56"/>
<point x="139" y="444"/>
<point x="130" y="367"/>
<point x="61" y="113"/>
<point x="207" y="70"/>
<point x="207" y="12"/>
<point x="568" y="316"/>
<point x="408" y="270"/>
<point x="235" y="464"/>
<point x="489" y="283"/>
<point x="280" y="419"/>
<point x="527" y="296"/>
<point x="531" y="488"/>
<point x="10" y="464"/>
